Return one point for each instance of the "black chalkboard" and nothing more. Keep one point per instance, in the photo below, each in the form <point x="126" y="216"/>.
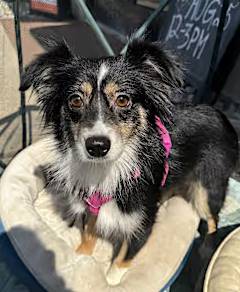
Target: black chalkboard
<point x="190" y="29"/>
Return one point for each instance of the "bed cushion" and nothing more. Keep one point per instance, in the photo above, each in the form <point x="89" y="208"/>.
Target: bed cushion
<point x="223" y="273"/>
<point x="47" y="245"/>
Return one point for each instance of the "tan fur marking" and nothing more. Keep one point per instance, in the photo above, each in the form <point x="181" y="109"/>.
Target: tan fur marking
<point x="200" y="202"/>
<point x="89" y="238"/>
<point x="120" y="257"/>
<point x="143" y="117"/>
<point x="211" y="225"/>
<point x="126" y="129"/>
<point x="119" y="261"/>
<point x="124" y="264"/>
<point x="111" y="89"/>
<point x="199" y="197"/>
<point x="87" y="88"/>
<point x="87" y="245"/>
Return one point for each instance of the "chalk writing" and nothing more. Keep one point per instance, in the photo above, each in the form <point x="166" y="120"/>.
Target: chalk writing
<point x="193" y="22"/>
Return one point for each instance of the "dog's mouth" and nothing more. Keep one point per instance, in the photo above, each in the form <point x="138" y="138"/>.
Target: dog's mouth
<point x="99" y="160"/>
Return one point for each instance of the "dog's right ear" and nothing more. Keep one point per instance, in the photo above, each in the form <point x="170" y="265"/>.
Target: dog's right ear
<point x="45" y="66"/>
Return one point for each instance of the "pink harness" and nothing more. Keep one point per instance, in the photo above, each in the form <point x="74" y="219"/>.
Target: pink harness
<point x="96" y="200"/>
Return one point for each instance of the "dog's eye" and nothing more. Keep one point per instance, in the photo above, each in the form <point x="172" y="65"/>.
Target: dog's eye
<point x="75" y="102"/>
<point x="123" y="101"/>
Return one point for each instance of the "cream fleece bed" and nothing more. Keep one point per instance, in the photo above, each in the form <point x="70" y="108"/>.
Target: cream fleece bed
<point x="223" y="273"/>
<point x="47" y="245"/>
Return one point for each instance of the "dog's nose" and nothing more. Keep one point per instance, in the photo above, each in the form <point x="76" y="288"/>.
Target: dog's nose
<point x="97" y="146"/>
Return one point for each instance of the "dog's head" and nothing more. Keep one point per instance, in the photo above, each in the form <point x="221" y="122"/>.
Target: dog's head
<point x="100" y="107"/>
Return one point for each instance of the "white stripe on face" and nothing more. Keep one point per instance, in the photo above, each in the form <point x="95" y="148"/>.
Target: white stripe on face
<point x="103" y="70"/>
<point x="99" y="129"/>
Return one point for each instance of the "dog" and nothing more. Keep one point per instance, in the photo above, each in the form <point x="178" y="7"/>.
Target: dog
<point x="124" y="146"/>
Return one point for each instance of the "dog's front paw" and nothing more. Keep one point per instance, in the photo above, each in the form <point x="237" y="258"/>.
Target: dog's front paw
<point x="116" y="271"/>
<point x="124" y="264"/>
<point x="87" y="245"/>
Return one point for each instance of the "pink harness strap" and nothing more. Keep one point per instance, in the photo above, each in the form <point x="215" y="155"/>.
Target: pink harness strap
<point x="96" y="200"/>
<point x="167" y="143"/>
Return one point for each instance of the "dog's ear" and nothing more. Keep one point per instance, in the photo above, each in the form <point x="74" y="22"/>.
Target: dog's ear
<point x="43" y="67"/>
<point x="155" y="61"/>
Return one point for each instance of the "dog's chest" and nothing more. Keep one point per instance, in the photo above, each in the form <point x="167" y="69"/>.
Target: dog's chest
<point x="82" y="182"/>
<point x="76" y="176"/>
<point x="110" y="220"/>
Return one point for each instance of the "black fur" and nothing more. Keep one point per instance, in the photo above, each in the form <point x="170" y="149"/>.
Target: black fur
<point x="205" y="146"/>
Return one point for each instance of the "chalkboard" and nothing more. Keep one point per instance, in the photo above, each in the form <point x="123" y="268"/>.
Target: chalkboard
<point x="190" y="29"/>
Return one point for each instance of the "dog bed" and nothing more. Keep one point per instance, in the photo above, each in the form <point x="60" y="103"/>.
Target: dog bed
<point x="223" y="272"/>
<point x="47" y="245"/>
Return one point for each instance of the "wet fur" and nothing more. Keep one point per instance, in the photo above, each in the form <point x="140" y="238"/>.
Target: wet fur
<point x="201" y="161"/>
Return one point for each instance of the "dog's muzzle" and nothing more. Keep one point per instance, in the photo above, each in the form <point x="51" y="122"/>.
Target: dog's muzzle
<point x="98" y="146"/>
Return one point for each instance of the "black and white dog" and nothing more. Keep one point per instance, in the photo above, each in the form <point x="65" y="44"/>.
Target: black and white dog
<point x="123" y="146"/>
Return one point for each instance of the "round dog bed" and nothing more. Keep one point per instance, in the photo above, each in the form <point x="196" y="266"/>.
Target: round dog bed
<point x="47" y="245"/>
<point x="223" y="272"/>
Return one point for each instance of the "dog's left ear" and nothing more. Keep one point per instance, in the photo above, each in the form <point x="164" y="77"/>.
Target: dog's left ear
<point x="156" y="62"/>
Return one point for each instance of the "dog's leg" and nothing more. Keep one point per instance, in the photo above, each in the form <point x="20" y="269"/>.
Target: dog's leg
<point x="124" y="264"/>
<point x="74" y="214"/>
<point x="120" y="261"/>
<point x="77" y="220"/>
<point x="208" y="202"/>
<point x="87" y="245"/>
<point x="208" y="226"/>
<point x="216" y="198"/>
<point x="131" y="247"/>
<point x="212" y="225"/>
<point x="117" y="244"/>
<point x="217" y="190"/>
<point x="88" y="237"/>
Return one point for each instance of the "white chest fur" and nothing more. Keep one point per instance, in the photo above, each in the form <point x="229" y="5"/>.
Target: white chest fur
<point x="72" y="172"/>
<point x="111" y="221"/>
